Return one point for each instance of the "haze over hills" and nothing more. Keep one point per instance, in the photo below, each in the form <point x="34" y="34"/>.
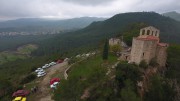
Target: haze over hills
<point x="175" y="15"/>
<point x="38" y="24"/>
<point x="97" y="31"/>
<point x="53" y="47"/>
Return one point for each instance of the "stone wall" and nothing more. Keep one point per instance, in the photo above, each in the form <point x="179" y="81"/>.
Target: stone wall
<point x="136" y="51"/>
<point x="114" y="41"/>
<point x="161" y="55"/>
<point x="143" y="50"/>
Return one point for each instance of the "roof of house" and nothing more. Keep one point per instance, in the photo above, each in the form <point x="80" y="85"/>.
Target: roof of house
<point x="163" y="44"/>
<point x="148" y="38"/>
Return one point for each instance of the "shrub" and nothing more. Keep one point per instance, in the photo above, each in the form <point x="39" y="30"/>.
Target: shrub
<point x="153" y="62"/>
<point x="28" y="79"/>
<point x="143" y="64"/>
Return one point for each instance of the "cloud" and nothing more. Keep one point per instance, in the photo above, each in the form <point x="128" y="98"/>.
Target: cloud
<point x="10" y="9"/>
<point x="90" y="2"/>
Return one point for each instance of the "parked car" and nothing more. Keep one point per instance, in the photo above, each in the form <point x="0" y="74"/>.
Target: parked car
<point x="59" y="61"/>
<point x="44" y="67"/>
<point x="42" y="74"/>
<point x="47" y="65"/>
<point x="52" y="63"/>
<point x="20" y="93"/>
<point x="54" y="85"/>
<point x="66" y="59"/>
<point x="54" y="80"/>
<point x="20" y="99"/>
<point x="38" y="70"/>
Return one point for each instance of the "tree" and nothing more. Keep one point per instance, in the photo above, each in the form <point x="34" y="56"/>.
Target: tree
<point x="159" y="90"/>
<point x="143" y="64"/>
<point x="106" y="50"/>
<point x="153" y="62"/>
<point x="126" y="71"/>
<point x="115" y="48"/>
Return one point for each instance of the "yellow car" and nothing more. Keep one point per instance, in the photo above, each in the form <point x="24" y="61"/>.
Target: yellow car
<point x="20" y="99"/>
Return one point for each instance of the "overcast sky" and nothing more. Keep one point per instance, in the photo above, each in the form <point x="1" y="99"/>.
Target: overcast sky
<point x="12" y="9"/>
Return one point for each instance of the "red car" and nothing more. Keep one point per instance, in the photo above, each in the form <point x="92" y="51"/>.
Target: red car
<point x="54" y="80"/>
<point x="20" y="93"/>
<point x="59" y="61"/>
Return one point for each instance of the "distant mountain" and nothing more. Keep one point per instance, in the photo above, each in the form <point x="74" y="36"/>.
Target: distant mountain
<point x="38" y="24"/>
<point x="174" y="15"/>
<point x="97" y="31"/>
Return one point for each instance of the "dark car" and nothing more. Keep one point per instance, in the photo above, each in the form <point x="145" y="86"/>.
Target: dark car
<point x="20" y="93"/>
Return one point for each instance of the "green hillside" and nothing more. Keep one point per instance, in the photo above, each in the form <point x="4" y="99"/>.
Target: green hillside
<point x="174" y="15"/>
<point x="98" y="31"/>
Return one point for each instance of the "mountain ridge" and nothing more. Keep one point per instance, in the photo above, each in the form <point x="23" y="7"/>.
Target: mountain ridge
<point x="116" y="25"/>
<point x="173" y="14"/>
<point x="74" y="23"/>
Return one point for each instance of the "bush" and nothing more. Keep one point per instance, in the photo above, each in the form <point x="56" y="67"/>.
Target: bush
<point x="153" y="62"/>
<point x="143" y="64"/>
<point x="28" y="79"/>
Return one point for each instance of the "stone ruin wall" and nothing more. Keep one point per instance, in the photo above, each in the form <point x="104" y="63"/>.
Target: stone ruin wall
<point x="149" y="50"/>
<point x="161" y="54"/>
<point x="143" y="50"/>
<point x="136" y="51"/>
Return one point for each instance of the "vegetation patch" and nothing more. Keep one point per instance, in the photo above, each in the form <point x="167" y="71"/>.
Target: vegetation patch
<point x="85" y="74"/>
<point x="21" y="53"/>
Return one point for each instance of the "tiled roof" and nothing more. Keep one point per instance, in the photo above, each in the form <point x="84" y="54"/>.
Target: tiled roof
<point x="163" y="44"/>
<point x="148" y="38"/>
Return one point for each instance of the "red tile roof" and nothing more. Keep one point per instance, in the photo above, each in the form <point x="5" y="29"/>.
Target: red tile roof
<point x="148" y="38"/>
<point x="163" y="44"/>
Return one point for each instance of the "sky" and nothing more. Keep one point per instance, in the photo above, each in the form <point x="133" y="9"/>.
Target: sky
<point x="63" y="9"/>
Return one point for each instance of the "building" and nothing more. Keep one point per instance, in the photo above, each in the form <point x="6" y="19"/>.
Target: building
<point x="117" y="41"/>
<point x="147" y="46"/>
<point x="114" y="41"/>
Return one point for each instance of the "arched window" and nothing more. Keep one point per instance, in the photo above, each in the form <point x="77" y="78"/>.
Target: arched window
<point x="143" y="32"/>
<point x="156" y="32"/>
<point x="148" y="32"/>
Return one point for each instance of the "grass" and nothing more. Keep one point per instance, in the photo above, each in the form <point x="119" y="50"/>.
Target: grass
<point x="27" y="49"/>
<point x="83" y="75"/>
<point x="21" y="53"/>
<point x="8" y="56"/>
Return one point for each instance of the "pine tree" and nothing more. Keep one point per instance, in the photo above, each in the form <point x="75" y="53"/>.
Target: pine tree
<point x="106" y="50"/>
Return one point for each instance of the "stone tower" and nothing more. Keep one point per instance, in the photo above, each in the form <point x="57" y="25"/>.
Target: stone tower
<point x="146" y="46"/>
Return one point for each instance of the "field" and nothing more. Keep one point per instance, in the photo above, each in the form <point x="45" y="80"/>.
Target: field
<point x="21" y="53"/>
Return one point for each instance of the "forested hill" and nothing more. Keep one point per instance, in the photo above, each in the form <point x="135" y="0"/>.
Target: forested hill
<point x="36" y="24"/>
<point x="174" y="15"/>
<point x="92" y="34"/>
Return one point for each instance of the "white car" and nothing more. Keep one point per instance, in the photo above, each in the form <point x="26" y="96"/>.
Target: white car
<point x="40" y="75"/>
<point x="52" y="63"/>
<point x="66" y="59"/>
<point x="41" y="72"/>
<point x="54" y="85"/>
<point x="38" y="69"/>
<point x="44" y="67"/>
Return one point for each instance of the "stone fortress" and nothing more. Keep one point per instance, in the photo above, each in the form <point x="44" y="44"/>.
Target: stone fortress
<point x="146" y="47"/>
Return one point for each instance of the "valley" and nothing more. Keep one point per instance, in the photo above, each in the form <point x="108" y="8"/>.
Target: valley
<point x="90" y="77"/>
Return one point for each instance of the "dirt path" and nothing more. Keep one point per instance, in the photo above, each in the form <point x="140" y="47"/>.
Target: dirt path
<point x="44" y="92"/>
